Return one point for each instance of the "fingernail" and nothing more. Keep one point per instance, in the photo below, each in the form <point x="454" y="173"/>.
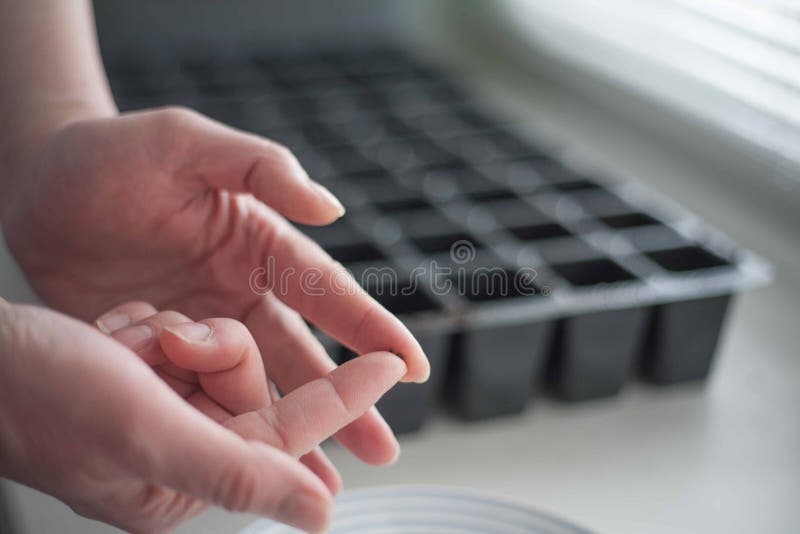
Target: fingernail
<point x="306" y="511"/>
<point x="135" y="337"/>
<point x="191" y="332"/>
<point x="328" y="197"/>
<point x="113" y="321"/>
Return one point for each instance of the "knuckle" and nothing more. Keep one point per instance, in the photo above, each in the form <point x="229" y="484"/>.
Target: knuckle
<point x="237" y="489"/>
<point x="172" y="126"/>
<point x="281" y="157"/>
<point x="156" y="507"/>
<point x="364" y="327"/>
<point x="275" y="239"/>
<point x="280" y="152"/>
<point x="276" y="431"/>
<point x="175" y="117"/>
<point x="339" y="399"/>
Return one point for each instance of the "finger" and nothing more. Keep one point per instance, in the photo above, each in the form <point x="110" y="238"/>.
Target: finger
<point x="316" y="460"/>
<point x="319" y="463"/>
<point x="225" y="158"/>
<point x="123" y="315"/>
<point x="234" y="382"/>
<point x="303" y="276"/>
<point x="311" y="413"/>
<point x="208" y="406"/>
<point x="274" y="394"/>
<point x="142" y="338"/>
<point x="293" y="357"/>
<point x="226" y="358"/>
<point x="181" y="387"/>
<point x="201" y="459"/>
<point x="183" y="450"/>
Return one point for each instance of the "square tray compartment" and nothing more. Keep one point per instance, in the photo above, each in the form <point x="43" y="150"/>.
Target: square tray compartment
<point x="594" y="354"/>
<point x="421" y="166"/>
<point x="683" y="339"/>
<point x="593" y="272"/>
<point x="493" y="369"/>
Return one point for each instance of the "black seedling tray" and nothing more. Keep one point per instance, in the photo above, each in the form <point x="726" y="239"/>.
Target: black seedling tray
<point x="512" y="266"/>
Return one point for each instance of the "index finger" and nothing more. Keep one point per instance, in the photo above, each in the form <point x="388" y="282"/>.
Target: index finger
<point x="313" y="412"/>
<point x="306" y="278"/>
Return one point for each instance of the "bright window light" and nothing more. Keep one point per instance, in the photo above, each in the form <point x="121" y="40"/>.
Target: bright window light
<point x="732" y="63"/>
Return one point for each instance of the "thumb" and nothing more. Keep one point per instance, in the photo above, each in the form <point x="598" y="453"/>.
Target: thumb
<point x="225" y="158"/>
<point x="199" y="458"/>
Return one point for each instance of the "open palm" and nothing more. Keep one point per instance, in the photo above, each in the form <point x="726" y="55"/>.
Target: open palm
<point x="170" y="207"/>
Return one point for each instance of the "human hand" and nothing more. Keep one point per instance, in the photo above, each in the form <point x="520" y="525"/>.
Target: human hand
<point x="86" y="420"/>
<point x="215" y="366"/>
<point x="175" y="209"/>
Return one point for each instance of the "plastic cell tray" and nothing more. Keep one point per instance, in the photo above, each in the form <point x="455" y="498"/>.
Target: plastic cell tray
<point x="513" y="266"/>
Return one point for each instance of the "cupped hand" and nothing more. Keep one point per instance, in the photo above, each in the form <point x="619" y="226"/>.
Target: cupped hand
<point x="144" y="447"/>
<point x="172" y="208"/>
<point x="216" y="367"/>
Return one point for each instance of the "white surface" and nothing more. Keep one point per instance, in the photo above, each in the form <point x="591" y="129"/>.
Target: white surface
<point x="723" y="457"/>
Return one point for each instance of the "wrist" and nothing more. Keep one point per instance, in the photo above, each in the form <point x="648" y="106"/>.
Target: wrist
<point x="40" y="116"/>
<point x="33" y="123"/>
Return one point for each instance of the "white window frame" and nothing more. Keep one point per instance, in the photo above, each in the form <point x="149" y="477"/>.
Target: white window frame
<point x="730" y="68"/>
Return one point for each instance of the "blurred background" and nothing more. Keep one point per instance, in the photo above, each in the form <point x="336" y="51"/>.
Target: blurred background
<point x="696" y="99"/>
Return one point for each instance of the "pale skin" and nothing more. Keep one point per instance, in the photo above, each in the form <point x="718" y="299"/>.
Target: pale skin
<point x="170" y="208"/>
<point x="143" y="426"/>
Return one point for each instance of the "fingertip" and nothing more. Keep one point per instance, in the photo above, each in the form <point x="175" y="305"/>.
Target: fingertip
<point x="396" y="454"/>
<point x="417" y="364"/>
<point x="385" y="331"/>
<point x="137" y="337"/>
<point x="124" y="315"/>
<point x="336" y="486"/>
<point x="279" y="180"/>
<point x="397" y="360"/>
<point x="422" y="374"/>
<point x="323" y="522"/>
<point x="389" y="453"/>
<point x="328" y="199"/>
<point x="100" y="325"/>
<point x="303" y="501"/>
<point x="309" y="510"/>
<point x="389" y="361"/>
<point x="321" y="465"/>
<point x="371" y="439"/>
<point x="322" y="215"/>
